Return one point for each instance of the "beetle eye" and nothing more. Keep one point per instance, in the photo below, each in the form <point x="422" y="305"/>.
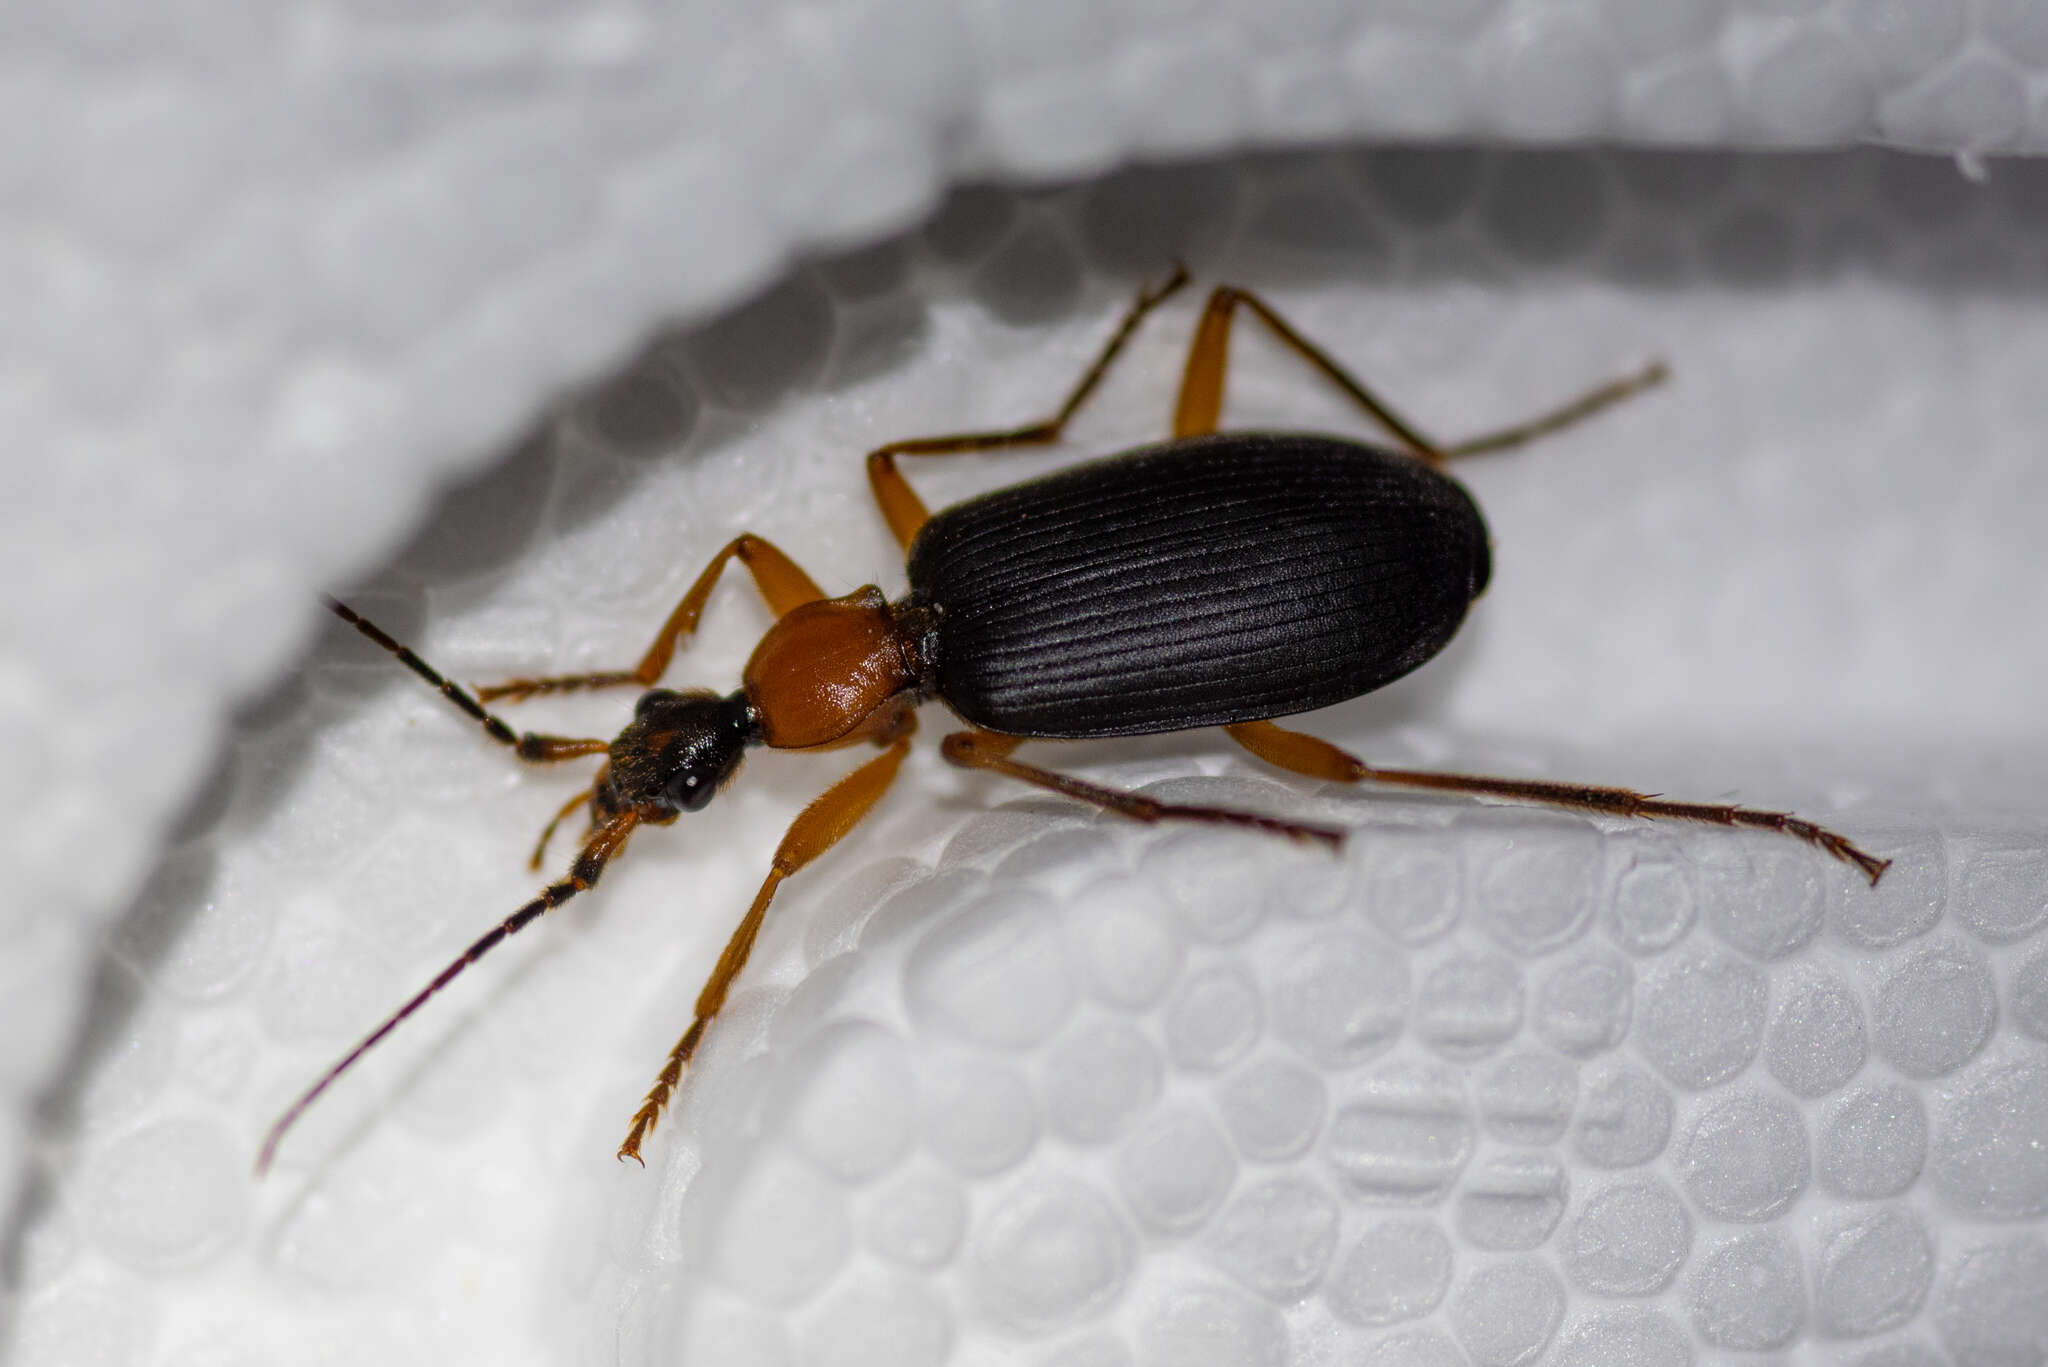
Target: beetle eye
<point x="693" y="791"/>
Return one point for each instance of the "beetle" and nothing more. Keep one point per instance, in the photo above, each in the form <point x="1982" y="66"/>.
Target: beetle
<point x="1214" y="579"/>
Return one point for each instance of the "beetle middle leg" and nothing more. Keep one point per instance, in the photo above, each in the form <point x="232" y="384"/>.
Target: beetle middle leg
<point x="816" y="829"/>
<point x="1307" y="755"/>
<point x="1200" y="405"/>
<point x="781" y="581"/>
<point x="901" y="506"/>
<point x="990" y="751"/>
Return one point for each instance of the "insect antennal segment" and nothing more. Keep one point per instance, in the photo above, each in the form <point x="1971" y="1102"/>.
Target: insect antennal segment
<point x="602" y="845"/>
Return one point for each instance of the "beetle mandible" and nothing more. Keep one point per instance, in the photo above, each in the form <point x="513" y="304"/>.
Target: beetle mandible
<point x="1213" y="579"/>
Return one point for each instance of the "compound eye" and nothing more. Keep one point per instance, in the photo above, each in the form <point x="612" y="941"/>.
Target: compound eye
<point x="693" y="791"/>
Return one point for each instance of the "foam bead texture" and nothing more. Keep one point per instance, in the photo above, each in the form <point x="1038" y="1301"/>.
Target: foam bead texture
<point x="311" y="263"/>
<point x="1009" y="1081"/>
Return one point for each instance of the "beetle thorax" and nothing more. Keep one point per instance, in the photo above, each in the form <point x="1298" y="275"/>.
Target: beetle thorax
<point x="834" y="672"/>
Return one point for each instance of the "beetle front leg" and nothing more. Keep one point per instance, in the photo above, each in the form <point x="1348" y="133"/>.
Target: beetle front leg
<point x="1303" y="754"/>
<point x="781" y="581"/>
<point x="540" y="847"/>
<point x="816" y="829"/>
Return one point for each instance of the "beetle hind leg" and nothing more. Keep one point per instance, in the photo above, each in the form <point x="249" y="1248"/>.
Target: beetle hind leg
<point x="1306" y="755"/>
<point x="987" y="750"/>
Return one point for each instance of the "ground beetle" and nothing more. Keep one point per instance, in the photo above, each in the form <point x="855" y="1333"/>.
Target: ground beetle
<point x="1215" y="579"/>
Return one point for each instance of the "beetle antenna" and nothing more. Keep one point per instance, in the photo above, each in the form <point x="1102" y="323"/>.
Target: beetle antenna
<point x="608" y="840"/>
<point x="527" y="745"/>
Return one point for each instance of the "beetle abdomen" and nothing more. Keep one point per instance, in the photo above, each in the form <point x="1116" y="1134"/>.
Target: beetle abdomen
<point x="1199" y="582"/>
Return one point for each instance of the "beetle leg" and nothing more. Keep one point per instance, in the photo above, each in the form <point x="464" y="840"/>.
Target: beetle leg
<point x="816" y="829"/>
<point x="1201" y="386"/>
<point x="540" y="847"/>
<point x="781" y="581"/>
<point x="1315" y="758"/>
<point x="901" y="506"/>
<point x="1201" y="390"/>
<point x="530" y="746"/>
<point x="987" y="750"/>
<point x="1565" y="415"/>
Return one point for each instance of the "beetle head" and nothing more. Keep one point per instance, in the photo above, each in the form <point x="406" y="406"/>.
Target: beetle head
<point x="678" y="751"/>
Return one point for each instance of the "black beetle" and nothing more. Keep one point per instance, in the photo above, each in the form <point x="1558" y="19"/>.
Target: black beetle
<point x="1215" y="579"/>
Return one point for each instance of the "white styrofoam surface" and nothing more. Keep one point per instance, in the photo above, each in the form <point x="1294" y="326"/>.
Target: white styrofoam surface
<point x="277" y="273"/>
<point x="1775" y="578"/>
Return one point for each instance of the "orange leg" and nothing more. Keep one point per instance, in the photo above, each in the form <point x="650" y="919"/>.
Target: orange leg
<point x="1201" y="388"/>
<point x="782" y="582"/>
<point x="901" y="506"/>
<point x="1315" y="758"/>
<point x="1564" y="415"/>
<point x="547" y="833"/>
<point x="987" y="750"/>
<point x="816" y="829"/>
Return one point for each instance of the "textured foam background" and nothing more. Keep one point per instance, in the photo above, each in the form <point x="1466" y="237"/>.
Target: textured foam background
<point x="1491" y="1082"/>
<point x="276" y="276"/>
